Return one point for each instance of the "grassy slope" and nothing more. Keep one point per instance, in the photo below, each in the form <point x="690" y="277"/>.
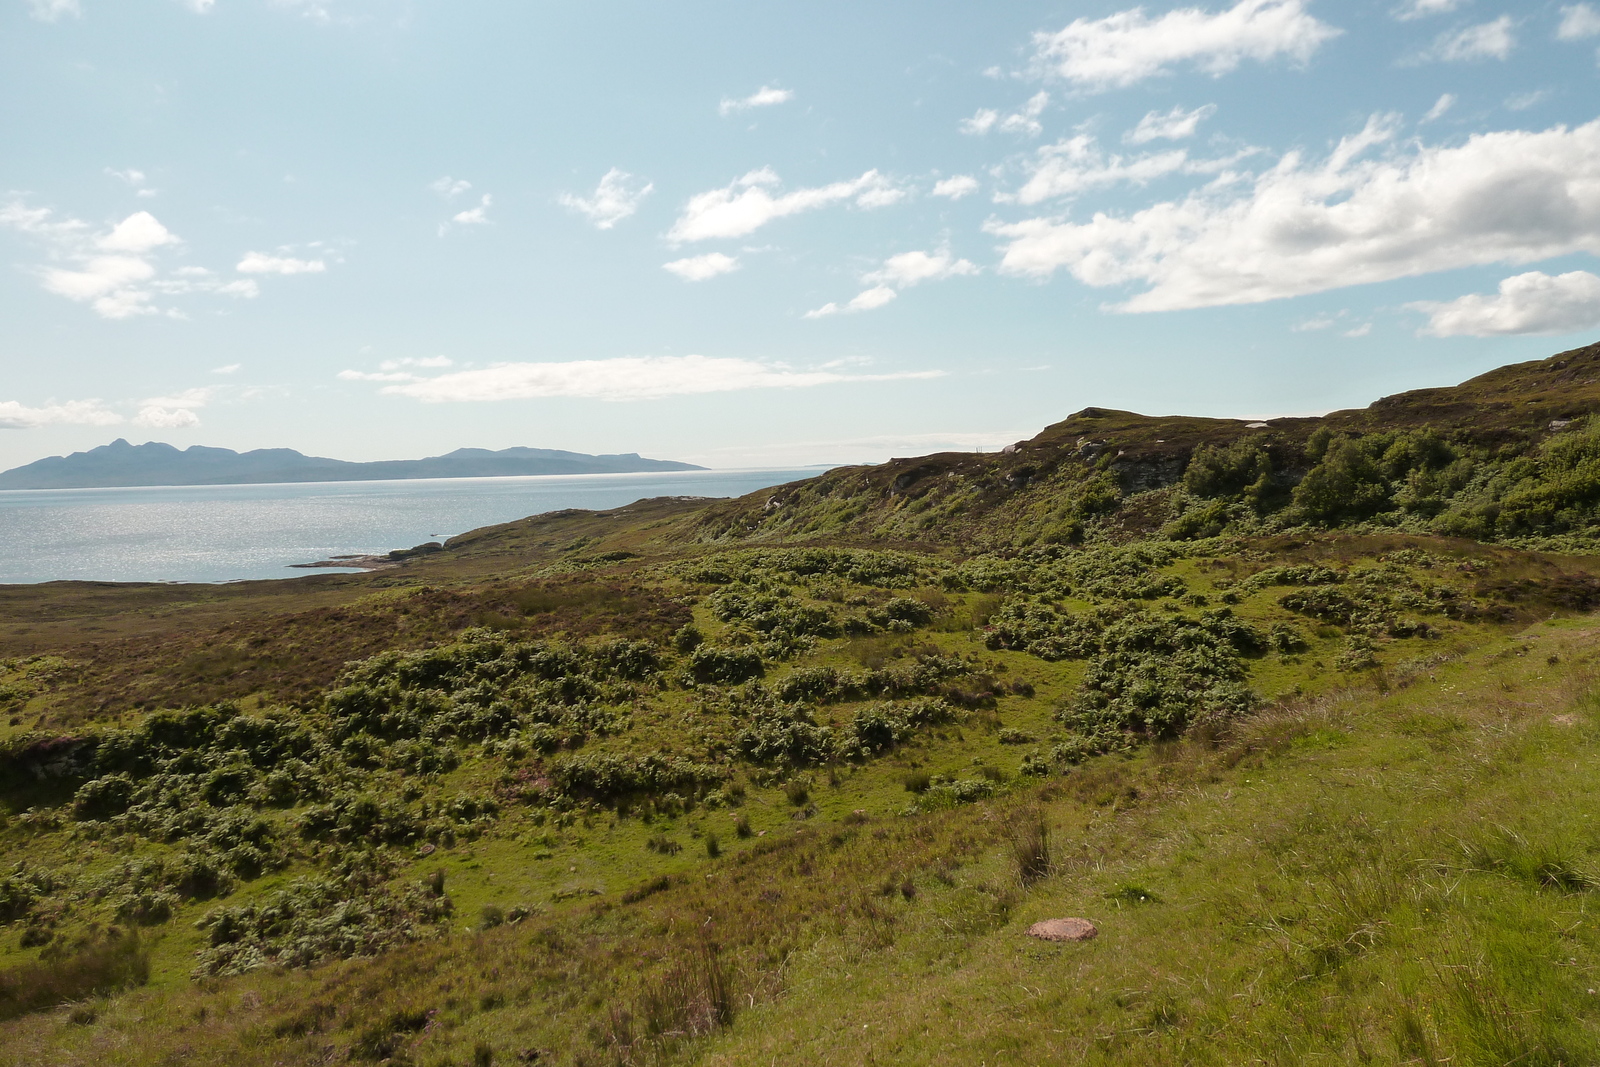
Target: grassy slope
<point x="1386" y="864"/>
<point x="1359" y="878"/>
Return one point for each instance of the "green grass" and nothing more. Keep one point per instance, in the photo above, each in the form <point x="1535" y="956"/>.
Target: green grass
<point x="1387" y="854"/>
<point x="1399" y="892"/>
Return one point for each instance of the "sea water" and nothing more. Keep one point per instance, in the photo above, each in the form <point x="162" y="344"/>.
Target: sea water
<point x="221" y="533"/>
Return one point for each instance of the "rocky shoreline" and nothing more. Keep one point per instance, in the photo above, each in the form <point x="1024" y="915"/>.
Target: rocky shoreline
<point x="366" y="563"/>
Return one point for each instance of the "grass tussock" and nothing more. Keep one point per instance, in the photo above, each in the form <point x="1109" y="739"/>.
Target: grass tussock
<point x="100" y="969"/>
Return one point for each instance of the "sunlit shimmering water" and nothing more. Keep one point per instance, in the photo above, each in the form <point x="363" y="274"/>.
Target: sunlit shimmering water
<point x="220" y="533"/>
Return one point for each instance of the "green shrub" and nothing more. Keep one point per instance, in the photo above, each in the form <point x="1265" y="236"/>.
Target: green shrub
<point x="724" y="666"/>
<point x="785" y="734"/>
<point x="1156" y="676"/>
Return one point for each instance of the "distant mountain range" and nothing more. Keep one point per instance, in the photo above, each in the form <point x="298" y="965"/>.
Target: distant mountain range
<point x="120" y="463"/>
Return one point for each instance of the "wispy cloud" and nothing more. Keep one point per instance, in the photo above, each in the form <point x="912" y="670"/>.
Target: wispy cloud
<point x="618" y="195"/>
<point x="1301" y="227"/>
<point x="175" y="412"/>
<point x="231" y="368"/>
<point x="626" y="378"/>
<point x="956" y="186"/>
<point x="475" y="216"/>
<point x="52" y="10"/>
<point x="766" y="96"/>
<point x="748" y="204"/>
<point x="397" y="370"/>
<point x="1440" y="106"/>
<point x="134" y="177"/>
<point x="117" y="271"/>
<point x="1418" y="9"/>
<point x="1579" y="22"/>
<point x="1126" y="48"/>
<point x="866" y="300"/>
<point x="1023" y="121"/>
<point x="449" y="187"/>
<point x="700" y="268"/>
<point x="898" y="272"/>
<point x="1531" y="303"/>
<point x="1488" y="40"/>
<point x="263" y="263"/>
<point x="1077" y="164"/>
<point x="18" y="416"/>
<point x="1174" y="125"/>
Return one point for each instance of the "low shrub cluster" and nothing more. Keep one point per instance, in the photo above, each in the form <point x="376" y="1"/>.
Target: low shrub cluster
<point x="1056" y="572"/>
<point x="1156" y="676"/>
<point x="316" y="919"/>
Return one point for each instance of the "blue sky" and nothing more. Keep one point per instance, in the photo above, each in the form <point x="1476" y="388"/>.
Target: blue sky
<point x="771" y="234"/>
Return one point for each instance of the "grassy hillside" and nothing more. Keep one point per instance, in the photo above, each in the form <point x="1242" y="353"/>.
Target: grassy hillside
<point x="786" y="779"/>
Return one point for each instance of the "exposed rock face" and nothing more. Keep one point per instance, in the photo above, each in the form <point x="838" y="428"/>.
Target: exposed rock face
<point x="1152" y="472"/>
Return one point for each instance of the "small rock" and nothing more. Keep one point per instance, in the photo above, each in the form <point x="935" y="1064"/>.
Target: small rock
<point x="1063" y="930"/>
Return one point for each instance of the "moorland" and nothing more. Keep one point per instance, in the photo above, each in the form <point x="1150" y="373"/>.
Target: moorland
<point x="1302" y="714"/>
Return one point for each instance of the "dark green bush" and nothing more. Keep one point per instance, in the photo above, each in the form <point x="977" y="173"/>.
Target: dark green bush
<point x="724" y="666"/>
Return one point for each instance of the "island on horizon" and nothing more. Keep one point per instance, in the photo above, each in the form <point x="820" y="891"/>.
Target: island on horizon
<point x="121" y="464"/>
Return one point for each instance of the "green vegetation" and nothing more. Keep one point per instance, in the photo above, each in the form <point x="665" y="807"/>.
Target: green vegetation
<point x="1304" y="717"/>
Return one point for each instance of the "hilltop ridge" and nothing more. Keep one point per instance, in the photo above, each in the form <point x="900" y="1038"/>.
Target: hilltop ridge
<point x="1451" y="471"/>
<point x="155" y="463"/>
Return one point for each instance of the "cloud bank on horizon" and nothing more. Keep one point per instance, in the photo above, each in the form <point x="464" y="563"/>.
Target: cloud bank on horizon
<point x="1059" y="185"/>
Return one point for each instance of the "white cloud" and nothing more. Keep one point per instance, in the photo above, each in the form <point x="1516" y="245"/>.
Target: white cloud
<point x="956" y="186"/>
<point x="1129" y="46"/>
<point x="190" y="398"/>
<point x="747" y="204"/>
<point x="1440" y="106"/>
<point x="1502" y="197"/>
<point x="910" y="268"/>
<point x="866" y="300"/>
<point x="1079" y="163"/>
<point x="1024" y="121"/>
<point x="137" y="234"/>
<point x="262" y="263"/>
<point x="618" y="195"/>
<point x="699" y="268"/>
<point x="99" y="276"/>
<point x="51" y="10"/>
<point x="1318" y="322"/>
<point x="115" y="272"/>
<point x="900" y="271"/>
<point x="1173" y="125"/>
<point x="16" y="416"/>
<point x="394" y="370"/>
<point x="1359" y="331"/>
<point x="376" y="376"/>
<point x="1578" y="22"/>
<point x="199" y="7"/>
<point x="766" y="96"/>
<point x="1490" y="40"/>
<point x="477" y="216"/>
<point x="1531" y="303"/>
<point x="980" y="123"/>
<point x="449" y="187"/>
<point x="131" y="176"/>
<point x="1523" y="101"/>
<point x="231" y="368"/>
<point x="315" y="10"/>
<point x="166" y="418"/>
<point x="627" y="378"/>
<point x="1417" y="9"/>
